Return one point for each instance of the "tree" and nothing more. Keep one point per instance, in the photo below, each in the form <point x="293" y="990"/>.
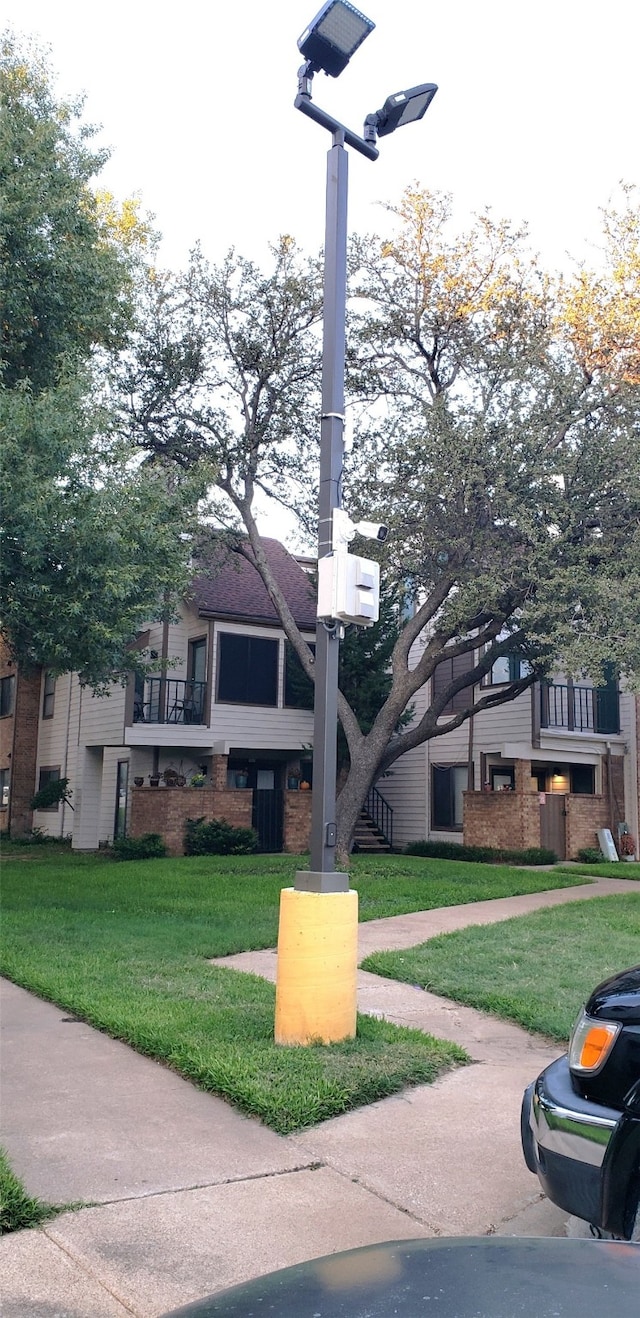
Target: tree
<point x="497" y="435"/>
<point x="91" y="537"/>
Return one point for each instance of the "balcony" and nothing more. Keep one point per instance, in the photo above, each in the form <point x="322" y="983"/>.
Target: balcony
<point x="170" y="700"/>
<point x="580" y="708"/>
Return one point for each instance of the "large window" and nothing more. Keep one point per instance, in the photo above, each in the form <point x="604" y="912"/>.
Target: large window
<point x="48" y="775"/>
<point x="247" y="670"/>
<point x="508" y="668"/>
<point x="448" y="671"/>
<point x="7" y="689"/>
<point x="48" y="695"/>
<point x="448" y="782"/>
<point x="298" y="688"/>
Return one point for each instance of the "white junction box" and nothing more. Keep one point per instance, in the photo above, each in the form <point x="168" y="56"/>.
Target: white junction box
<point x="349" y="588"/>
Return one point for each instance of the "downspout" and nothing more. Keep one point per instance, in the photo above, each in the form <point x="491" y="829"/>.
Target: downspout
<point x="66" y="749"/>
<point x="610" y="789"/>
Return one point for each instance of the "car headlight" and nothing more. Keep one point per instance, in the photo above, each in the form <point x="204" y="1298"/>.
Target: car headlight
<point x="590" y="1044"/>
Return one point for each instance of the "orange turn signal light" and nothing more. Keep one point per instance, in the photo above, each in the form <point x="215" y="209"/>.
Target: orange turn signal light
<point x="591" y="1043"/>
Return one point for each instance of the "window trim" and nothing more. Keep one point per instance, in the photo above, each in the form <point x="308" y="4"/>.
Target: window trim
<point x="48" y="694"/>
<point x="446" y="768"/>
<point x="252" y="702"/>
<point x="53" y="770"/>
<point x="7" y="683"/>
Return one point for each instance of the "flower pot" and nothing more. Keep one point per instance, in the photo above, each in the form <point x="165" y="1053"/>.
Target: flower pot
<point x="154" y="781"/>
<point x="138" y="782"/>
<point x="242" y="780"/>
<point x="292" y="783"/>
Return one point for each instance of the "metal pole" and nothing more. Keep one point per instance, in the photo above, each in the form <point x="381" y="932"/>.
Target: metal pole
<point x="322" y="876"/>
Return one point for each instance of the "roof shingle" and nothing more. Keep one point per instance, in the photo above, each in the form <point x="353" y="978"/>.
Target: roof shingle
<point x="233" y="587"/>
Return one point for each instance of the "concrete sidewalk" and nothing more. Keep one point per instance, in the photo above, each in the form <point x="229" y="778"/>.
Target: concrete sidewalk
<point x="190" y="1197"/>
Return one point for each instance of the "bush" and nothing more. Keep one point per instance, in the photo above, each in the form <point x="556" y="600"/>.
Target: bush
<point x="218" y="838"/>
<point x="483" y="855"/>
<point x="37" y="838"/>
<point x="590" y="856"/>
<point x="53" y="792"/>
<point x="148" y="847"/>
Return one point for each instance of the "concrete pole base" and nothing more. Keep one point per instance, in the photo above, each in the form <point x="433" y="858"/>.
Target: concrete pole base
<point x="316" y="986"/>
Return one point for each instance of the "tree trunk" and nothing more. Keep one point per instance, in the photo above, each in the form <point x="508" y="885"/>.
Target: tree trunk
<point x="362" y="775"/>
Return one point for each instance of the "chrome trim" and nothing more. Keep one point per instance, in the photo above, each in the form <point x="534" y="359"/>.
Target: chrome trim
<point x="576" y="1135"/>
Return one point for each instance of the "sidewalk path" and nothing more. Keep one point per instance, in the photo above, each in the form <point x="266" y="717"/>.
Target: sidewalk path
<point x="191" y="1197"/>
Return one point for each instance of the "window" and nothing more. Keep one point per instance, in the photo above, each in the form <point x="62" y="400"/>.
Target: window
<point x="448" y="671"/>
<point x="48" y="695"/>
<point x="4" y="787"/>
<point x="508" y="668"/>
<point x="197" y="666"/>
<point x="122" y="788"/>
<point x="48" y="775"/>
<point x="503" y="778"/>
<point x="582" y="777"/>
<point x="7" y="690"/>
<point x="298" y="688"/>
<point x="247" y="670"/>
<point x="447" y="785"/>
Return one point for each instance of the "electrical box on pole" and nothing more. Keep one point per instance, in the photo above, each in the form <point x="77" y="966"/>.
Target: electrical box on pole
<point x="349" y="589"/>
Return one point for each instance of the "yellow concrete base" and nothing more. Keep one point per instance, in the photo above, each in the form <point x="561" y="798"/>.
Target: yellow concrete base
<point x="317" y="965"/>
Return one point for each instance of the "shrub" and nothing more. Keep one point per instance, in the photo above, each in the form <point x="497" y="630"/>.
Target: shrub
<point x="218" y="838"/>
<point x="483" y="855"/>
<point x="37" y="838"/>
<point x="148" y="847"/>
<point x="590" y="855"/>
<point x="53" y="792"/>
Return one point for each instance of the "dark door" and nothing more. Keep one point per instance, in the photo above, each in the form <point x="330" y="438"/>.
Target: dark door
<point x="267" y="818"/>
<point x="553" y="829"/>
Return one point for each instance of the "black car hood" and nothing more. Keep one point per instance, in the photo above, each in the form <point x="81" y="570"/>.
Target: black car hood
<point x="617" y="998"/>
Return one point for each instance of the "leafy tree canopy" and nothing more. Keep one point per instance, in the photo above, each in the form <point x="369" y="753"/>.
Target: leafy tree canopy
<point x="92" y="539"/>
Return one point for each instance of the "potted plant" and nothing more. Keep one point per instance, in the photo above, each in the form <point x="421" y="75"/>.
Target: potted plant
<point x="138" y="782"/>
<point x="293" y="782"/>
<point x="627" y="846"/>
<point x="154" y="779"/>
<point x="197" y="780"/>
<point x="242" y="778"/>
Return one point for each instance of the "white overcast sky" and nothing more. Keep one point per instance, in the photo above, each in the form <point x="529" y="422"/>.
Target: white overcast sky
<point x="537" y="113"/>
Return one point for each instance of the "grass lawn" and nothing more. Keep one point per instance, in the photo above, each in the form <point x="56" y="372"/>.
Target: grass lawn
<point x="17" y="1208"/>
<point x="621" y="869"/>
<point x="536" y="969"/>
<point x="126" y="947"/>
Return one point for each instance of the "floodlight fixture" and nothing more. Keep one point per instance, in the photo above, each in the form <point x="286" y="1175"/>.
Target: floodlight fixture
<point x="334" y="36"/>
<point x="400" y="109"/>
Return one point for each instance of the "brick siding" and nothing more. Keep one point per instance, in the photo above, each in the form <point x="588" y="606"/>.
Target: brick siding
<point x="297" y="822"/>
<point x="165" y="810"/>
<point x="19" y="746"/>
<point x="502" y="819"/>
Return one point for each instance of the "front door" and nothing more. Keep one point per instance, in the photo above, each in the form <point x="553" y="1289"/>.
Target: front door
<point x="553" y="823"/>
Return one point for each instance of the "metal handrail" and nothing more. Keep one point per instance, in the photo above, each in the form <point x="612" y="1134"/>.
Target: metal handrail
<point x="381" y="813"/>
<point x="579" y="708"/>
<point x="171" y="700"/>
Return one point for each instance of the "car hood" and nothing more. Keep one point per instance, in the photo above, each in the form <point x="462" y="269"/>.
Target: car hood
<point x="617" y="998"/>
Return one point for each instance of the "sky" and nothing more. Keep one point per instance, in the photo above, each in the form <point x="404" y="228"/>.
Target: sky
<point x="536" y="114"/>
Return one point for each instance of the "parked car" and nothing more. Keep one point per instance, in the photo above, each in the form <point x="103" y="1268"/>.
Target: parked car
<point x="581" y="1118"/>
<point x="460" y="1277"/>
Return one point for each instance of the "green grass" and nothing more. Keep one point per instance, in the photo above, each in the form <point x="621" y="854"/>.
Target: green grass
<point x="621" y="869"/>
<point x="537" y="969"/>
<point x="17" y="1208"/>
<point x="127" y="948"/>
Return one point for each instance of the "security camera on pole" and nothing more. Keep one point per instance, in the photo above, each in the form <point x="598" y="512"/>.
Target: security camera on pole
<point x="317" y="940"/>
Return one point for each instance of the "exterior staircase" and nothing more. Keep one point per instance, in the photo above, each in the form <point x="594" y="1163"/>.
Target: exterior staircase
<point x="374" y="829"/>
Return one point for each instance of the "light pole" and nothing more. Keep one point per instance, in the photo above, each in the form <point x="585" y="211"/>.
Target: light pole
<point x="317" y="946"/>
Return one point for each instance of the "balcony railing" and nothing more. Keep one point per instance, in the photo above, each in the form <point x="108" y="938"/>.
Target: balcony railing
<point x="170" y="700"/>
<point x="580" y="708"/>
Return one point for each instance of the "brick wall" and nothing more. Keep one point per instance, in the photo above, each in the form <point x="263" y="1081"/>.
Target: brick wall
<point x="501" y="819"/>
<point x="297" y="822"/>
<point x="19" y="745"/>
<point x="164" y="810"/>
<point x="585" y="815"/>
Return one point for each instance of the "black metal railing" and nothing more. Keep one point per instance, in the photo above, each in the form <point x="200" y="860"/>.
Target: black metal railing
<point x="381" y="813"/>
<point x="580" y="708"/>
<point x="170" y="700"/>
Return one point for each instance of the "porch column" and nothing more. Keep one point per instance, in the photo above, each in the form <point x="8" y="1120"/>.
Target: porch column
<point x="523" y="775"/>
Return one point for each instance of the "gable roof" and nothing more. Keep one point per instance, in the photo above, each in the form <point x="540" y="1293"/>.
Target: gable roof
<point x="233" y="587"/>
